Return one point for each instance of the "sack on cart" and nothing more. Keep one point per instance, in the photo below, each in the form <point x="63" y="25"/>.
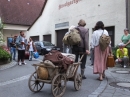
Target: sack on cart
<point x="51" y="71"/>
<point x="58" y="59"/>
<point x="42" y="73"/>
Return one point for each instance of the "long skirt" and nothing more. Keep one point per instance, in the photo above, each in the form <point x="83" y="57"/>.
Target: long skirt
<point x="100" y="59"/>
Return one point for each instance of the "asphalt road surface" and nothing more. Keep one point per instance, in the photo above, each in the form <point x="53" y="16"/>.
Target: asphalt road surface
<point x="14" y="82"/>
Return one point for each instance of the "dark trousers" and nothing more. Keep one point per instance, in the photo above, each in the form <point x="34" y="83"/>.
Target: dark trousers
<point x="77" y="51"/>
<point x="21" y="54"/>
<point x="92" y="56"/>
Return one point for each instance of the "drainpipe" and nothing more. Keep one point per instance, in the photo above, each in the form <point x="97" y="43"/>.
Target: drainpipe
<point x="126" y="13"/>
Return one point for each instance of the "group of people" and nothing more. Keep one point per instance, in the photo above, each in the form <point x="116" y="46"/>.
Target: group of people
<point x="98" y="57"/>
<point x="19" y="44"/>
<point x="123" y="52"/>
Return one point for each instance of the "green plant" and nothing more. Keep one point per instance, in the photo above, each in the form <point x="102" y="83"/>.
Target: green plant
<point x="114" y="49"/>
<point x="1" y="25"/>
<point x="4" y="55"/>
<point x="2" y="42"/>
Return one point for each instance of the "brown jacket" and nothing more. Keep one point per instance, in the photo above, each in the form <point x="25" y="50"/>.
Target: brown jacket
<point x="58" y="59"/>
<point x="84" y="33"/>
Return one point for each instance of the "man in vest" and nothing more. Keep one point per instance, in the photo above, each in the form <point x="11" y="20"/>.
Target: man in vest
<point x="83" y="47"/>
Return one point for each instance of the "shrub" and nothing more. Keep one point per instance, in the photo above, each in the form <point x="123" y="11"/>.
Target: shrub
<point x="4" y="55"/>
<point x="114" y="49"/>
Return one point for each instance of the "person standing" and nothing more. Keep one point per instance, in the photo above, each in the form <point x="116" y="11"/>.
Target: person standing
<point x="21" y="44"/>
<point x="100" y="57"/>
<point x="92" y="51"/>
<point x="83" y="47"/>
<point x="13" y="48"/>
<point x="10" y="40"/>
<point x="126" y="40"/>
<point x="31" y="48"/>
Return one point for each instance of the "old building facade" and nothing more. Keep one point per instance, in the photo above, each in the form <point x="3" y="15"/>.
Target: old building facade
<point x="128" y="13"/>
<point x="59" y="15"/>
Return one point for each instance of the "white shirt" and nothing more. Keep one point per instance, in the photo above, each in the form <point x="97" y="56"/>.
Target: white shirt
<point x="31" y="46"/>
<point x="96" y="36"/>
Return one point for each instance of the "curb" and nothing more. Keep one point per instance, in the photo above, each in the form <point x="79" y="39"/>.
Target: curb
<point x="100" y="89"/>
<point x="12" y="64"/>
<point x="9" y="65"/>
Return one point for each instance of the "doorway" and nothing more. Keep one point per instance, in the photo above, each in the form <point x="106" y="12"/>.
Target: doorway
<point x="111" y="32"/>
<point x="60" y="35"/>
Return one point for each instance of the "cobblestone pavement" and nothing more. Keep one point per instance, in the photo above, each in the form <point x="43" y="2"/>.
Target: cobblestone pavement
<point x="117" y="75"/>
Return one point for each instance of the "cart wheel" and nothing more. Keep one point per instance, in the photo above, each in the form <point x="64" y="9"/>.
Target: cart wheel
<point x="34" y="84"/>
<point x="58" y="85"/>
<point x="77" y="81"/>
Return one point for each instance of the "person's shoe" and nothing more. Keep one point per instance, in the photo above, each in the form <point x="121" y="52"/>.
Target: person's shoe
<point x="30" y="59"/>
<point x="121" y="65"/>
<point x="103" y="76"/>
<point x="84" y="77"/>
<point x="24" y="63"/>
<point x="124" y="66"/>
<point x="19" y="63"/>
<point x="101" y="79"/>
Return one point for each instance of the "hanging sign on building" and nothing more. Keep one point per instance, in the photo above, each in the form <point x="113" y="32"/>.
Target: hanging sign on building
<point x="69" y="3"/>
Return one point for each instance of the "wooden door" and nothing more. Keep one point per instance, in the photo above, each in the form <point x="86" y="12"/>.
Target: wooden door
<point x="60" y="35"/>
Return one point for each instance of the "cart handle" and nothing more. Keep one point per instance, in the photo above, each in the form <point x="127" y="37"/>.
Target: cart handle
<point x="76" y="63"/>
<point x="45" y="66"/>
<point x="81" y="57"/>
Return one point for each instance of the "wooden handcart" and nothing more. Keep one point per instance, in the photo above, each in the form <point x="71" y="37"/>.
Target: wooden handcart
<point x="58" y="80"/>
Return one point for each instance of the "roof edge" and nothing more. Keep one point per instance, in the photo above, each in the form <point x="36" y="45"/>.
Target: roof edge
<point x="38" y="16"/>
<point x="16" y="24"/>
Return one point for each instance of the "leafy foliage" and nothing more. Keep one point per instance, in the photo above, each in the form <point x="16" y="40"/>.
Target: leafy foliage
<point x="2" y="42"/>
<point x="1" y="25"/>
<point x="114" y="49"/>
<point x="4" y="55"/>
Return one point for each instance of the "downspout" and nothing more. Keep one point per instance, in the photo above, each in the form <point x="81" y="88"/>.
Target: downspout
<point x="126" y="13"/>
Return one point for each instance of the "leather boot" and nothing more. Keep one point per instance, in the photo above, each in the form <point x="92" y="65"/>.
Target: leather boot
<point x="82" y="73"/>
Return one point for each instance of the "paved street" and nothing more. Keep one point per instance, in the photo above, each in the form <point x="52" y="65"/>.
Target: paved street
<point x="14" y="83"/>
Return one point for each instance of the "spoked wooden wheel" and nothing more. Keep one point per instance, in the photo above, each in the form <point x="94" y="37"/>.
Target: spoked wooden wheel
<point x="34" y="84"/>
<point x="77" y="81"/>
<point x="58" y="85"/>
